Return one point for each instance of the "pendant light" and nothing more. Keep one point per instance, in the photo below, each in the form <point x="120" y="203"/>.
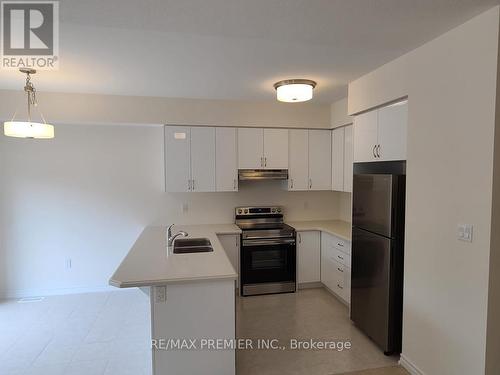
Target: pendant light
<point x="29" y="129"/>
<point x="294" y="90"/>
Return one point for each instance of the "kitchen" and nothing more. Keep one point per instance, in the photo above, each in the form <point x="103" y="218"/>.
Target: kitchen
<point x="237" y="175"/>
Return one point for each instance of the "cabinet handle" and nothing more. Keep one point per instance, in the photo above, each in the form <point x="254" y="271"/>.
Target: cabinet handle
<point x="300" y="238"/>
<point x="192" y="185"/>
<point x="340" y="257"/>
<point x="234" y="184"/>
<point x="340" y="244"/>
<point x="189" y="185"/>
<point x="340" y="287"/>
<point x="265" y="162"/>
<point x="291" y="183"/>
<point x="373" y="151"/>
<point x="261" y="161"/>
<point x="378" y="151"/>
<point x="340" y="269"/>
<point x="310" y="183"/>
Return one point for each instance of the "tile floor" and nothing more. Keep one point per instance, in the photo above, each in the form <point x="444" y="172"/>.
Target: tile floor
<point x="308" y="314"/>
<point x="395" y="370"/>
<point x="109" y="334"/>
<point x="91" y="334"/>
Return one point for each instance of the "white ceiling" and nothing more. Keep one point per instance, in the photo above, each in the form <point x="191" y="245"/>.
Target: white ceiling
<point x="236" y="49"/>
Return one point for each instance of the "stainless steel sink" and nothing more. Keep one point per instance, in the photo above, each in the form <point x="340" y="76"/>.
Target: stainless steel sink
<point x="192" y="245"/>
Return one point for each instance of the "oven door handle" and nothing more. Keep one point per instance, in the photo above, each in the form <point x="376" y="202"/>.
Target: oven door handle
<point x="272" y="241"/>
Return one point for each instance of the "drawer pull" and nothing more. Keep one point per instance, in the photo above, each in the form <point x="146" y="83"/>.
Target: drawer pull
<point x="340" y="287"/>
<point x="340" y="257"/>
<point x="340" y="269"/>
<point x="340" y="244"/>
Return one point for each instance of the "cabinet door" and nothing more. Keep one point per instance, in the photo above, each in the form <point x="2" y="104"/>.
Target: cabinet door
<point x="392" y="127"/>
<point x="320" y="160"/>
<point x="365" y="136"/>
<point x="298" y="170"/>
<point x="348" y="155"/>
<point x="231" y="245"/>
<point x="308" y="256"/>
<point x="250" y="148"/>
<point x="275" y="148"/>
<point x="202" y="159"/>
<point x="177" y="159"/>
<point x="338" y="159"/>
<point x="226" y="159"/>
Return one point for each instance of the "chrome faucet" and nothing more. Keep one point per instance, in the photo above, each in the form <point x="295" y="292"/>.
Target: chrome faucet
<point x="171" y="238"/>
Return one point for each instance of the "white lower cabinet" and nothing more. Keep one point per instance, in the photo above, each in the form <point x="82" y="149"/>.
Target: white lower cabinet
<point x="308" y="256"/>
<point x="335" y="265"/>
<point x="231" y="245"/>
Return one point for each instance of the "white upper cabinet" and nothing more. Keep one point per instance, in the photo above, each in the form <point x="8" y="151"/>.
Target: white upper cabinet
<point x="250" y="148"/>
<point x="338" y="159"/>
<point x="275" y="148"/>
<point x="298" y="172"/>
<point x="202" y="159"/>
<point x="380" y="135"/>
<point x="189" y="159"/>
<point x="392" y="127"/>
<point x="226" y="163"/>
<point x="177" y="158"/>
<point x="365" y="136"/>
<point x="320" y="160"/>
<point x="262" y="148"/>
<point x="348" y="156"/>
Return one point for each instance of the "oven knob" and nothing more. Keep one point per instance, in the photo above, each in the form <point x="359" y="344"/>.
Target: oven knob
<point x="240" y="211"/>
<point x="278" y="210"/>
<point x="246" y="210"/>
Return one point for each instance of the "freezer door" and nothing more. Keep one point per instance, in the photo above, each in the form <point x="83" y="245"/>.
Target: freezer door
<point x="370" y="285"/>
<point x="372" y="202"/>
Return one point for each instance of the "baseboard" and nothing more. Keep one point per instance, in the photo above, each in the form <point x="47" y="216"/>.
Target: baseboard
<point x="409" y="366"/>
<point x="23" y="293"/>
<point x="309" y="285"/>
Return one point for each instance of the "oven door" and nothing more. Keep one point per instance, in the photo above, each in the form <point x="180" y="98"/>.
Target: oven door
<point x="269" y="261"/>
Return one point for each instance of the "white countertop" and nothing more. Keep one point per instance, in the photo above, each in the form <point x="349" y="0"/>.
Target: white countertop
<point x="339" y="228"/>
<point x="147" y="263"/>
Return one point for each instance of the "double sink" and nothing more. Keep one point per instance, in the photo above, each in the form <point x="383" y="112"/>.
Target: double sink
<point x="192" y="245"/>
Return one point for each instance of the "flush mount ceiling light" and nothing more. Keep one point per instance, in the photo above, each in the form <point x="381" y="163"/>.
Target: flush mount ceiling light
<point x="294" y="90"/>
<point x="29" y="129"/>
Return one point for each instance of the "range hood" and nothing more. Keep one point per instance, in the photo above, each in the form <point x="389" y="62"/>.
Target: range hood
<point x="262" y="174"/>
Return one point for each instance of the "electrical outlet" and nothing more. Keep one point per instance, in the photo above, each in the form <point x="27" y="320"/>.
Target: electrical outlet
<point x="465" y="232"/>
<point x="68" y="263"/>
<point x="160" y="294"/>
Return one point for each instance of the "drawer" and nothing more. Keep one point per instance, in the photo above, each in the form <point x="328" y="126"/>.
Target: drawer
<point x="341" y="257"/>
<point x="341" y="245"/>
<point x="328" y="240"/>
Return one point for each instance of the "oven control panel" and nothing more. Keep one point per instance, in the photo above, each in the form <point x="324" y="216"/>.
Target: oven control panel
<point x="241" y="211"/>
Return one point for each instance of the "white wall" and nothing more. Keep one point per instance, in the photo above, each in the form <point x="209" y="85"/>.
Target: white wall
<point x="339" y="113"/>
<point x="88" y="193"/>
<point x="451" y="84"/>
<point x="68" y="108"/>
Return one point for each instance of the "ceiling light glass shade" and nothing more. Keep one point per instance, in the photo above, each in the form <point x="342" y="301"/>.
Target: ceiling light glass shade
<point x="294" y="90"/>
<point x="22" y="129"/>
<point x="29" y="129"/>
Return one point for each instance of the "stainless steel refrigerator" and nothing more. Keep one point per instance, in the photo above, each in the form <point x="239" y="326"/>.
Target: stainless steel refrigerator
<point x="378" y="212"/>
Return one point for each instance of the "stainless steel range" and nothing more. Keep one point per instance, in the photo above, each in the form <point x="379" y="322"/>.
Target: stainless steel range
<point x="268" y="253"/>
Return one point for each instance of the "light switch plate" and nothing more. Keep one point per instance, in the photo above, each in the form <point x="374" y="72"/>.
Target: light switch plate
<point x="465" y="232"/>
